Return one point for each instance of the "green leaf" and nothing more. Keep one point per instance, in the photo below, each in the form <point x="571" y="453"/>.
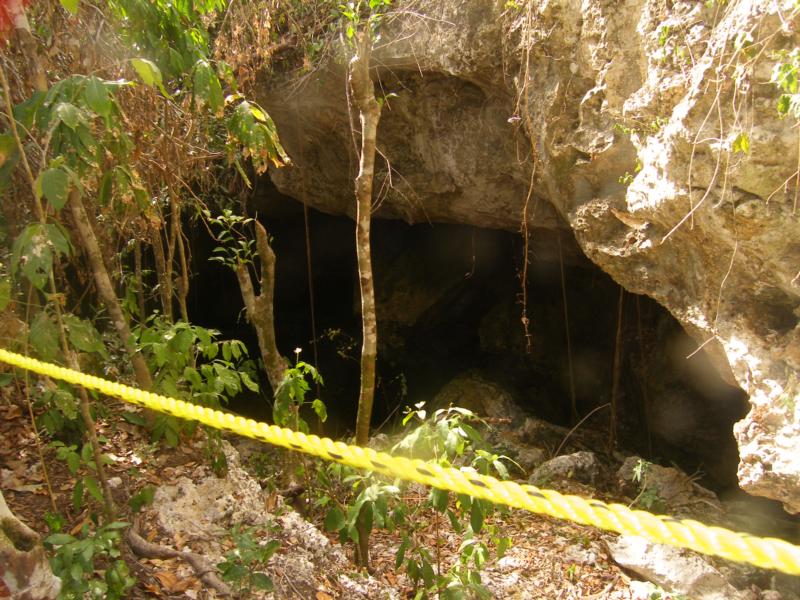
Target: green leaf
<point x="262" y="582"/>
<point x="248" y="382"/>
<point x="68" y="114"/>
<point x="94" y="488"/>
<point x="401" y="553"/>
<point x="32" y="255"/>
<point x="25" y="112"/>
<point x="334" y="520"/>
<point x="143" y="498"/>
<point x="55" y="187"/>
<point x="784" y="103"/>
<point x="58" y="237"/>
<point x="59" y="539"/>
<point x="43" y="337"/>
<point x="134" y="418"/>
<point x="207" y="86"/>
<point x="5" y="293"/>
<point x="84" y="336"/>
<point x="439" y="499"/>
<point x="149" y="73"/>
<point x="476" y="516"/>
<point x="71" y="6"/>
<point x="320" y="408"/>
<point x="741" y="144"/>
<point x="6" y="378"/>
<point x="73" y="461"/>
<point x="105" y="188"/>
<point x="96" y="95"/>
<point x="77" y="494"/>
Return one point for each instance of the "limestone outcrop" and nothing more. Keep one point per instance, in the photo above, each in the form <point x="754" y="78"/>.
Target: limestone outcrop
<point x="647" y="127"/>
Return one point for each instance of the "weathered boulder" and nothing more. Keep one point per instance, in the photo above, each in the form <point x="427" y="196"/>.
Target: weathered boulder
<point x="675" y="570"/>
<point x="473" y="391"/>
<point x="629" y="112"/>
<point x="670" y="485"/>
<point x="580" y="466"/>
<point x="201" y="510"/>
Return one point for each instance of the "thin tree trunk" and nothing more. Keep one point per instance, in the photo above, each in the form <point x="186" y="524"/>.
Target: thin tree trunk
<point x="105" y="289"/>
<point x="369" y="114"/>
<point x="37" y="75"/>
<point x="177" y="240"/>
<point x="137" y="269"/>
<point x="164" y="284"/>
<point x="172" y="240"/>
<point x="260" y="310"/>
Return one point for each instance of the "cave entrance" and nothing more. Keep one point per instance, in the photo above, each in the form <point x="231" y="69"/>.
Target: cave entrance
<point x="449" y="301"/>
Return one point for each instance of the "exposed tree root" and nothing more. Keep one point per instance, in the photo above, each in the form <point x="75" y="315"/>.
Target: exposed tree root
<point x="204" y="570"/>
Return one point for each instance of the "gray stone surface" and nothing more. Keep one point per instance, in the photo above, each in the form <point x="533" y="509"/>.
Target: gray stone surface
<point x="580" y="466"/>
<point x="482" y="87"/>
<point x="673" y="569"/>
<point x="486" y="398"/>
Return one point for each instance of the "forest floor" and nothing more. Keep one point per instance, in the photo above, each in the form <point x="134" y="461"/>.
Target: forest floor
<point x="548" y="558"/>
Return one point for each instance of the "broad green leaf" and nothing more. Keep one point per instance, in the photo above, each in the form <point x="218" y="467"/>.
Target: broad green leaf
<point x="71" y="6"/>
<point x="143" y="498"/>
<point x="8" y="147"/>
<point x="784" y="103"/>
<point x="134" y="418"/>
<point x="43" y="337"/>
<point x="58" y="236"/>
<point x="321" y="410"/>
<point x="55" y="187"/>
<point x="94" y="489"/>
<point x="26" y="112"/>
<point x="32" y="251"/>
<point x="84" y="336"/>
<point x="476" y="516"/>
<point x="334" y="520"/>
<point x="97" y="98"/>
<point x="262" y="582"/>
<point x="9" y="157"/>
<point x="59" y="539"/>
<point x="248" y="382"/>
<point x="5" y="293"/>
<point x="182" y="342"/>
<point x="741" y="143"/>
<point x="68" y="114"/>
<point x="207" y="86"/>
<point x="105" y="188"/>
<point x="439" y="499"/>
<point x="149" y="73"/>
<point x="77" y="495"/>
<point x="73" y="462"/>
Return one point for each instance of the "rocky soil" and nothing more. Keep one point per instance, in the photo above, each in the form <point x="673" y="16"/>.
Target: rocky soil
<point x="195" y="512"/>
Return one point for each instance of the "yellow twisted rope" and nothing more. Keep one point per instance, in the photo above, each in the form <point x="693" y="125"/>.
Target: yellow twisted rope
<point x="769" y="553"/>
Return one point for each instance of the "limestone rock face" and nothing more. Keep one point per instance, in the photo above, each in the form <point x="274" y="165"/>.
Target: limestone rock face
<point x="618" y="120"/>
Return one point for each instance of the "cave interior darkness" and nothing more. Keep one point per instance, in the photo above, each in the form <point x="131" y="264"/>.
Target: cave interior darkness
<point x="448" y="301"/>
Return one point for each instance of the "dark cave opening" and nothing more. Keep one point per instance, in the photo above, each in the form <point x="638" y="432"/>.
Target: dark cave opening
<point x="449" y="301"/>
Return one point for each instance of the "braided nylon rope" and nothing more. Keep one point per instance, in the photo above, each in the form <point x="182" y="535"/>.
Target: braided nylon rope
<point x="769" y="553"/>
